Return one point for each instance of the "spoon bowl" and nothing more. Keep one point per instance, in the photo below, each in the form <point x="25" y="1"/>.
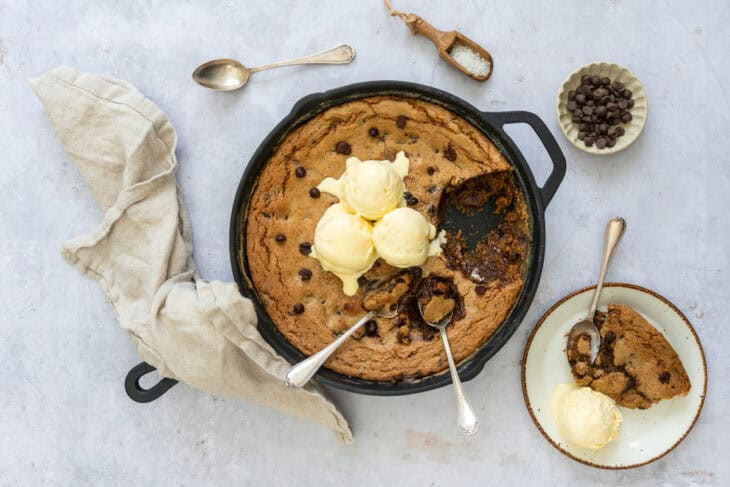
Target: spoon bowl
<point x="442" y="323"/>
<point x="222" y="74"/>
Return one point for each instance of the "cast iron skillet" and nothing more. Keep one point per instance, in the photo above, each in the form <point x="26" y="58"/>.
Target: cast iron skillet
<point x="492" y="125"/>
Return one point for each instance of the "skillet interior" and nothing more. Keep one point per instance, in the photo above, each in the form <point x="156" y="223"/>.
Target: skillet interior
<point x="312" y="105"/>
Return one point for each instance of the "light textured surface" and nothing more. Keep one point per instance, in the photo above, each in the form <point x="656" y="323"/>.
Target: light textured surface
<point x="65" y="417"/>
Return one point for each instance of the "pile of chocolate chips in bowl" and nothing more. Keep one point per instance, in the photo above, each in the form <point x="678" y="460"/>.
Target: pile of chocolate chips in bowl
<point x="600" y="105"/>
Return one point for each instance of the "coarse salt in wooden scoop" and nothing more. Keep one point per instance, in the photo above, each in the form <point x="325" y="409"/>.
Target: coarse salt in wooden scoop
<point x="463" y="53"/>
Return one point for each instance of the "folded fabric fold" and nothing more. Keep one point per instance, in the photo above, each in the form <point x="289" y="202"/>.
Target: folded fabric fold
<point x="199" y="332"/>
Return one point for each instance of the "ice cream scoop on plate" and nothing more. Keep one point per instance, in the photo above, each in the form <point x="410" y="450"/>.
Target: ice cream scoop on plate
<point x="585" y="418"/>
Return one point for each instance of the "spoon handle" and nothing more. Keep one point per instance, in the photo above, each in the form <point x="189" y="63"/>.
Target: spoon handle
<point x="614" y="231"/>
<point x="466" y="420"/>
<point x="299" y="374"/>
<point x="338" y="55"/>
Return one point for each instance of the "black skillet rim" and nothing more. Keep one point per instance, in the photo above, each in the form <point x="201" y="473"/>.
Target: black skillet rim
<point x="489" y="123"/>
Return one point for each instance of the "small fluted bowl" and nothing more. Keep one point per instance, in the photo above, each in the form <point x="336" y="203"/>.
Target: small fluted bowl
<point x="639" y="111"/>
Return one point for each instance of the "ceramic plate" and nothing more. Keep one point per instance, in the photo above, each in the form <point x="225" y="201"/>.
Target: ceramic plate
<point x="646" y="435"/>
<point x="638" y="112"/>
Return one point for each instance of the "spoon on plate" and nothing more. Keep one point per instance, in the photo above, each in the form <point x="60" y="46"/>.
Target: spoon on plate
<point x="466" y="420"/>
<point x="614" y="231"/>
<point x="228" y="74"/>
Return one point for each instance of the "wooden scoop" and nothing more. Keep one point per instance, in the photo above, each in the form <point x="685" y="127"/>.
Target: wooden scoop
<point x="444" y="41"/>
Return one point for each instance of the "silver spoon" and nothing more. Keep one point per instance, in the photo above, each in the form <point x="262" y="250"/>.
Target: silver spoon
<point x="614" y="231"/>
<point x="229" y="74"/>
<point x="466" y="421"/>
<point x="299" y="374"/>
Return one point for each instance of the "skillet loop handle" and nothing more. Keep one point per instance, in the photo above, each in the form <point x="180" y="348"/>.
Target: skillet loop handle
<point x="136" y="392"/>
<point x="548" y="141"/>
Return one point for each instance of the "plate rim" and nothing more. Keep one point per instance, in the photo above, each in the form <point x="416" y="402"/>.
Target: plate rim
<point x="540" y="322"/>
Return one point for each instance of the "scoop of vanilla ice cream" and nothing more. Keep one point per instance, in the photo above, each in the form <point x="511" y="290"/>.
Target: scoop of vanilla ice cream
<point x="403" y="238"/>
<point x="343" y="245"/>
<point x="585" y="418"/>
<point x="370" y="188"/>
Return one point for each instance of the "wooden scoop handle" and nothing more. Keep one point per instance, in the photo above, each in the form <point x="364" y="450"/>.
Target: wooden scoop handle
<point x="442" y="40"/>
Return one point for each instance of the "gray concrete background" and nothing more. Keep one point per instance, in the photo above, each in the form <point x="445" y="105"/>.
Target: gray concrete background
<point x="65" y="417"/>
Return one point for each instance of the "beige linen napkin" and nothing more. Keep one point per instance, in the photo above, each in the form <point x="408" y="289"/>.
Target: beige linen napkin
<point x="200" y="332"/>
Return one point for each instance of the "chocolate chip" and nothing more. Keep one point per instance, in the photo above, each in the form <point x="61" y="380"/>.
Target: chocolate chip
<point x="450" y="153"/>
<point x="298" y="308"/>
<point x="305" y="248"/>
<point x="371" y="328"/>
<point x="597" y="105"/>
<point x="305" y="274"/>
<point x="481" y="289"/>
<point x="410" y="199"/>
<point x="431" y="210"/>
<point x="610" y="337"/>
<point x="343" y="148"/>
<point x="280" y="238"/>
<point x="373" y="132"/>
<point x="300" y="172"/>
<point x="431" y="169"/>
<point x="315" y="193"/>
<point x="400" y="122"/>
<point x="428" y="334"/>
<point x="664" y="377"/>
<point x="362" y="280"/>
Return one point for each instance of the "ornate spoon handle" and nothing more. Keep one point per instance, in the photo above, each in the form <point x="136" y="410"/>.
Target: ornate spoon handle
<point x="299" y="374"/>
<point x="466" y="420"/>
<point x="338" y="55"/>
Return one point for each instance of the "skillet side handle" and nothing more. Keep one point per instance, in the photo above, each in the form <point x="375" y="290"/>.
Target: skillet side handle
<point x="548" y="141"/>
<point x="136" y="392"/>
